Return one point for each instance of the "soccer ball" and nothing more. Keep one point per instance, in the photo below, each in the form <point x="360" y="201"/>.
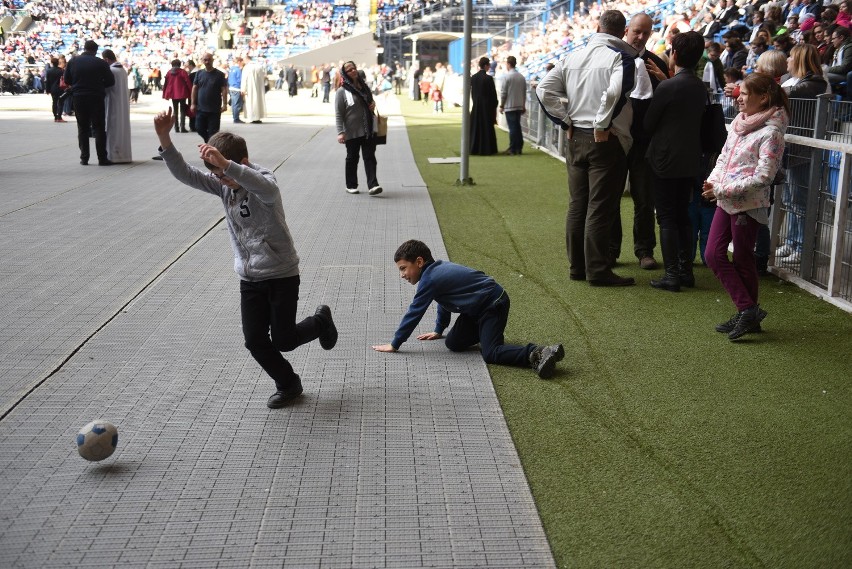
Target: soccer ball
<point x="97" y="440"/>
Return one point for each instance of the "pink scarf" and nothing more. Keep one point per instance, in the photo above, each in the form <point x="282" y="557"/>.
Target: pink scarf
<point x="744" y="124"/>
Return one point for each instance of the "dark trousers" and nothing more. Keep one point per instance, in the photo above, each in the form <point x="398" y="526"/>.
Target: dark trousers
<point x="269" y="326"/>
<point x="516" y="138"/>
<point x="326" y="87"/>
<point x="179" y="107"/>
<point x="644" y="237"/>
<point x="739" y="278"/>
<point x="56" y="106"/>
<point x="487" y="331"/>
<point x="207" y="124"/>
<point x="671" y="198"/>
<point x="91" y="118"/>
<point x="367" y="147"/>
<point x="596" y="175"/>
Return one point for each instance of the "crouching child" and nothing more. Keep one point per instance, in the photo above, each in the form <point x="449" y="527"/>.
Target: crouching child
<point x="264" y="255"/>
<point x="482" y="306"/>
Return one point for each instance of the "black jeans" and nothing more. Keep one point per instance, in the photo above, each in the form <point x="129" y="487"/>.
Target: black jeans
<point x="207" y="124"/>
<point x="487" y="331"/>
<point x="180" y="108"/>
<point x="366" y="146"/>
<point x="269" y="326"/>
<point x="56" y="107"/>
<point x="91" y="117"/>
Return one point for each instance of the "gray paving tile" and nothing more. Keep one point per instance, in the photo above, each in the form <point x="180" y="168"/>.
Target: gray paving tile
<point x="118" y="301"/>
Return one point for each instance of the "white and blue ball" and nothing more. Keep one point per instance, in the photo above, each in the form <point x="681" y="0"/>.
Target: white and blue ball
<point x="97" y="440"/>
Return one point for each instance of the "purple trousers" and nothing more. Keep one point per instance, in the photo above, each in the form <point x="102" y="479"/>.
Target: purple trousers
<point x="739" y="277"/>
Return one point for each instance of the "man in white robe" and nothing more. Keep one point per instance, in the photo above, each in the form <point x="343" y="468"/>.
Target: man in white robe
<point x="253" y="87"/>
<point x="117" y="113"/>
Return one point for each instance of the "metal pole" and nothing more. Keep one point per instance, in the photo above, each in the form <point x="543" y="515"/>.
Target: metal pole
<point x="464" y="173"/>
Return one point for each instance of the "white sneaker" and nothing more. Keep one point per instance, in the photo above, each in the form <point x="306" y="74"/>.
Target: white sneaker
<point x="352" y="190"/>
<point x="783" y="251"/>
<point x="375" y="191"/>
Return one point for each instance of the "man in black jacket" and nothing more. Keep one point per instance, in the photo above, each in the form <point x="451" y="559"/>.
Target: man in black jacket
<point x="89" y="76"/>
<point x="650" y="70"/>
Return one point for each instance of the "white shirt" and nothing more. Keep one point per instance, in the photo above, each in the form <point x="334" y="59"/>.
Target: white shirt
<point x="643" y="88"/>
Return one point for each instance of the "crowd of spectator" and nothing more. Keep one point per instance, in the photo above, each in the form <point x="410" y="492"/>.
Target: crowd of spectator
<point x="148" y="34"/>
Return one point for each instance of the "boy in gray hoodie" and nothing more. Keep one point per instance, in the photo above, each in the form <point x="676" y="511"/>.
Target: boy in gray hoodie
<point x="264" y="255"/>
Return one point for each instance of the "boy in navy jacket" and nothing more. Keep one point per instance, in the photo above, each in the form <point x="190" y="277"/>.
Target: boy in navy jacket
<point x="482" y="305"/>
<point x="264" y="255"/>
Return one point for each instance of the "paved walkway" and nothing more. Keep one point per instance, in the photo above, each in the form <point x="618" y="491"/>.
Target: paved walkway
<point x="118" y="301"/>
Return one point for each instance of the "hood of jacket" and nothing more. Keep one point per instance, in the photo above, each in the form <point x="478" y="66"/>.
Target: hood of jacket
<point x="612" y="42"/>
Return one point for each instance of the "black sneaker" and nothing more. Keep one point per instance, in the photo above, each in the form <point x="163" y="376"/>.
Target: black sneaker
<point x="747" y="321"/>
<point x="281" y="398"/>
<point x="328" y="337"/>
<point x="543" y="359"/>
<point x="727" y="327"/>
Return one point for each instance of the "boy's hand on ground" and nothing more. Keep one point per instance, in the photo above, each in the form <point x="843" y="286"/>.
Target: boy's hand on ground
<point x="384" y="348"/>
<point x="430" y="336"/>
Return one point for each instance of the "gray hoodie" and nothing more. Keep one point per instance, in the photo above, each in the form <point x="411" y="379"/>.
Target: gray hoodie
<point x="263" y="246"/>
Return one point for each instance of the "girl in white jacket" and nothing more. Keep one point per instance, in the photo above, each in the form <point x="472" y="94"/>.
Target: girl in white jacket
<point x="740" y="183"/>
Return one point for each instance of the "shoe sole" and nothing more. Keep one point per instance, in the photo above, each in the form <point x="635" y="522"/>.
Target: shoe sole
<point x="348" y="191"/>
<point x="327" y="339"/>
<point x="548" y="367"/>
<point x="375" y="191"/>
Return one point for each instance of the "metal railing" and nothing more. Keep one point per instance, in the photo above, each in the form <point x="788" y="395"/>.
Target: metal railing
<point x="811" y="211"/>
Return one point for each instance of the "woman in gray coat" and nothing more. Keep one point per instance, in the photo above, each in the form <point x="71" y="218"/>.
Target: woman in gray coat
<point x="354" y="108"/>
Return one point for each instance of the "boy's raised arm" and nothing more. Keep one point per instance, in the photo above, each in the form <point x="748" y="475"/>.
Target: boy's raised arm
<point x="163" y="124"/>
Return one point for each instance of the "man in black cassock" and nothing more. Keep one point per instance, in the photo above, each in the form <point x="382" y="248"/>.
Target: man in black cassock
<point x="483" y="140"/>
<point x="292" y="81"/>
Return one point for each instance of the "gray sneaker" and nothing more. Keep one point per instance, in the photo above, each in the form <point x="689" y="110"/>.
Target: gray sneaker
<point x="543" y="359"/>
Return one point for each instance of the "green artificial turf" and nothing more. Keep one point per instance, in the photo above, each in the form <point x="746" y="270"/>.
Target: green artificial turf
<point x="659" y="443"/>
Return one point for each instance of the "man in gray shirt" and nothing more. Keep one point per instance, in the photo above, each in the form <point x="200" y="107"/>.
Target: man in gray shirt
<point x="513" y="103"/>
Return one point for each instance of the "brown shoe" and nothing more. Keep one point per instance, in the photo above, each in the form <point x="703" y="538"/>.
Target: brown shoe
<point x="648" y="263"/>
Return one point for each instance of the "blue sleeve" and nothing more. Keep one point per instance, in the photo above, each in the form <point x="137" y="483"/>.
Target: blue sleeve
<point x="416" y="310"/>
<point x="443" y="319"/>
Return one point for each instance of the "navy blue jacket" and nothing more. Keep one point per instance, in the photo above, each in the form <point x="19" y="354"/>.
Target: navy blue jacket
<point x="455" y="288"/>
<point x="88" y="75"/>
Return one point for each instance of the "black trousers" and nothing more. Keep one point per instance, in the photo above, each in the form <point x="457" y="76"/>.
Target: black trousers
<point x="641" y="192"/>
<point x="179" y="107"/>
<point x="269" y="326"/>
<point x="207" y="124"/>
<point x="367" y="147"/>
<point x="671" y="198"/>
<point x="487" y="331"/>
<point x="56" y="107"/>
<point x="91" y="118"/>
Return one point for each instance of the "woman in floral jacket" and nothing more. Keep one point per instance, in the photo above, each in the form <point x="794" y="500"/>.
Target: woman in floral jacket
<point x="739" y="183"/>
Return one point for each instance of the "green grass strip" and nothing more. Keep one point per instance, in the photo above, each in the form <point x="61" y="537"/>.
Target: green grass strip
<point x="659" y="443"/>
